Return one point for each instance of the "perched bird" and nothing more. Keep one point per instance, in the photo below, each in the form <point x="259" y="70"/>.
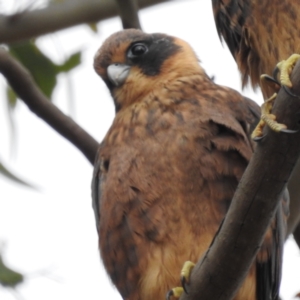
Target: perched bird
<point x="260" y="34"/>
<point x="168" y="167"/>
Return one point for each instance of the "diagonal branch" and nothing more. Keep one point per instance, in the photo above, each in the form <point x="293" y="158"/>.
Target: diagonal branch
<point x="24" y="86"/>
<point x="128" y="10"/>
<point x="297" y="235"/>
<point x="23" y="26"/>
<point x="225" y="264"/>
<point x="293" y="187"/>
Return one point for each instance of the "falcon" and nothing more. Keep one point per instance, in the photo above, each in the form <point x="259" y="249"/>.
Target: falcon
<point x="168" y="167"/>
<point x="259" y="34"/>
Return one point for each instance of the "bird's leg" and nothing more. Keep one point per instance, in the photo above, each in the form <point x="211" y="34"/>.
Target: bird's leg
<point x="285" y="67"/>
<point x="185" y="274"/>
<point x="266" y="117"/>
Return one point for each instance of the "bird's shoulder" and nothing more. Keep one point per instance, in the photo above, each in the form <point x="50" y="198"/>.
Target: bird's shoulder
<point x="187" y="103"/>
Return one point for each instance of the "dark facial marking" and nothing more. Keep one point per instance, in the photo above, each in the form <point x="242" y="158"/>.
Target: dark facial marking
<point x="150" y="54"/>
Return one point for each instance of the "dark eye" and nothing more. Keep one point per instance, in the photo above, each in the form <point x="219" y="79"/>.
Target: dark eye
<point x="137" y="50"/>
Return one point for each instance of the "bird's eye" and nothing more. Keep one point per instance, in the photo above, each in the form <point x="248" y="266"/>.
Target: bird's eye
<point x="137" y="50"/>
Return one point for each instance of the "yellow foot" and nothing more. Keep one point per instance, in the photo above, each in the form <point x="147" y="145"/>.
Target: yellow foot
<point x="269" y="119"/>
<point x="184" y="278"/>
<point x="268" y="84"/>
<point x="174" y="293"/>
<point x="186" y="273"/>
<point x="286" y="67"/>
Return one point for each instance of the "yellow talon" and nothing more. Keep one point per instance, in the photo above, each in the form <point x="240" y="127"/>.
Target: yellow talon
<point x="270" y="84"/>
<point x="174" y="293"/>
<point x="258" y="131"/>
<point x="186" y="273"/>
<point x="185" y="279"/>
<point x="270" y="120"/>
<point x="266" y="118"/>
<point x="286" y="68"/>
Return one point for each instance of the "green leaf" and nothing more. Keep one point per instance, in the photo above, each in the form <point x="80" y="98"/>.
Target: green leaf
<point x="8" y="174"/>
<point x="9" y="277"/>
<point x="11" y="97"/>
<point x="11" y="104"/>
<point x="73" y="61"/>
<point x="41" y="67"/>
<point x="93" y="27"/>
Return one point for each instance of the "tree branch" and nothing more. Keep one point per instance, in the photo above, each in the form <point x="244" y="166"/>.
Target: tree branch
<point x="128" y="10"/>
<point x="297" y="235"/>
<point x="66" y="14"/>
<point x="23" y="84"/>
<point x="222" y="270"/>
<point x="293" y="187"/>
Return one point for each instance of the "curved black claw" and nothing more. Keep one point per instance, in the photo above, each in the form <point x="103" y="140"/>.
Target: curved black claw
<point x="288" y="91"/>
<point x="258" y="138"/>
<point x="275" y="73"/>
<point x="169" y="294"/>
<point x="272" y="79"/>
<point x="288" y="131"/>
<point x="183" y="283"/>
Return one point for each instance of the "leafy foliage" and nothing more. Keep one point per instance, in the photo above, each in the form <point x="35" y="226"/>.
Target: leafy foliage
<point x="8" y="174"/>
<point x="42" y="68"/>
<point x="44" y="71"/>
<point x="9" y="277"/>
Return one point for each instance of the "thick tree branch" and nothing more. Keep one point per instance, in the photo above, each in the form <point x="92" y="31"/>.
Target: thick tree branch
<point x="24" y="86"/>
<point x="225" y="264"/>
<point x="297" y="235"/>
<point x="128" y="10"/>
<point x="294" y="190"/>
<point x="59" y="16"/>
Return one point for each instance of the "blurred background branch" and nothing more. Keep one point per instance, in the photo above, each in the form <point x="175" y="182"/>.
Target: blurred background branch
<point x="128" y="10"/>
<point x="57" y="16"/>
<point x="25" y="87"/>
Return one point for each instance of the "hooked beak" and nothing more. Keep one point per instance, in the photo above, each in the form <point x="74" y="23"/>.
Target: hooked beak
<point x="117" y="73"/>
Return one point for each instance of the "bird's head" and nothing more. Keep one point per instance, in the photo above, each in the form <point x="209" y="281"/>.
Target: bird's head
<point x="133" y="63"/>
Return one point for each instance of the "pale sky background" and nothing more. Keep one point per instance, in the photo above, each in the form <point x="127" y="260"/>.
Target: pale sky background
<point x="49" y="235"/>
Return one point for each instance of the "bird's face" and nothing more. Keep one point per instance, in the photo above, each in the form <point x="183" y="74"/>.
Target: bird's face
<point x="133" y="63"/>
